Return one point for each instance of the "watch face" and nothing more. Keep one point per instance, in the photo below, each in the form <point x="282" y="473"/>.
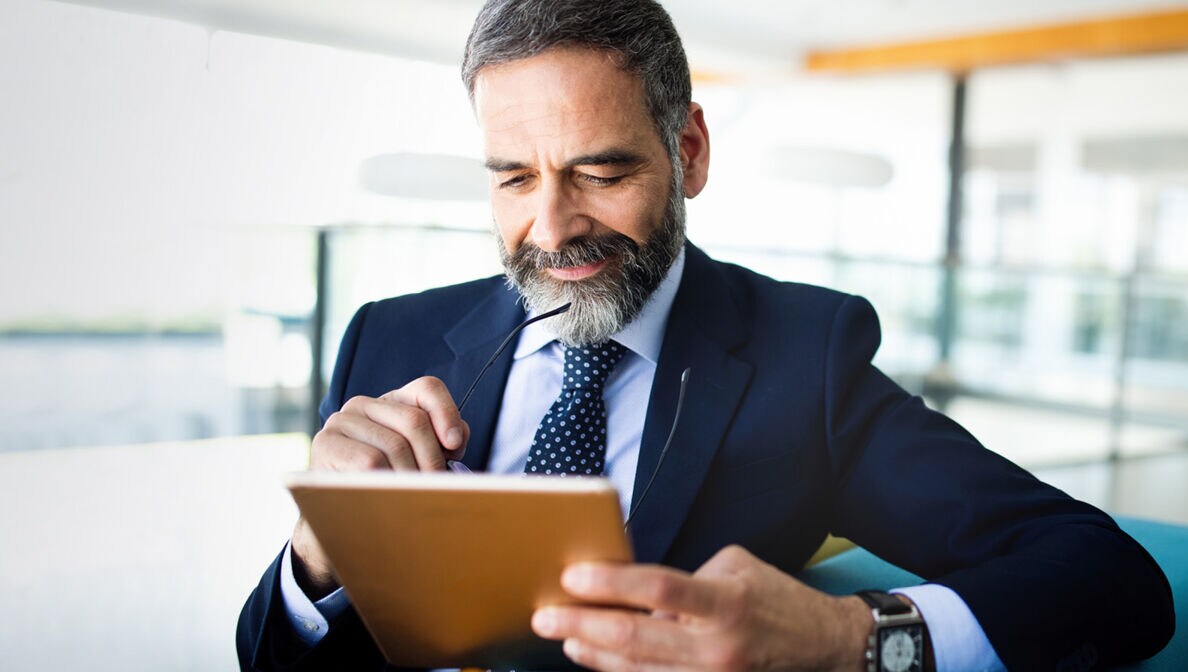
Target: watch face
<point x="901" y="649"/>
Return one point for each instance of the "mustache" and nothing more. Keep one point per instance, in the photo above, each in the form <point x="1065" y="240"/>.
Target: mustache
<point x="579" y="251"/>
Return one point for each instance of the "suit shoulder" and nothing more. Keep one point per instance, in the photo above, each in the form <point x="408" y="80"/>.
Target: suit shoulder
<point x="765" y="293"/>
<point x="778" y="312"/>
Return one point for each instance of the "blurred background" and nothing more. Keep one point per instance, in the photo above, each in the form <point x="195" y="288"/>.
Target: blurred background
<point x="195" y="196"/>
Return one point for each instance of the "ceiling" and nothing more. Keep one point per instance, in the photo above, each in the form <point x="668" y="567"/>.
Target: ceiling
<point x="720" y="35"/>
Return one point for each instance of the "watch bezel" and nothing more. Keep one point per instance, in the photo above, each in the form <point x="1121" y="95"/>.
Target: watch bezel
<point x="914" y="631"/>
<point x="902" y="616"/>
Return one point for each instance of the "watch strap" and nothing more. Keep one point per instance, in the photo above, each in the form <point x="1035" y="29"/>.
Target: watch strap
<point x="886" y="603"/>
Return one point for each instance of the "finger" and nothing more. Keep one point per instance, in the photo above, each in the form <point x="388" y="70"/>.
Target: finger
<point x="649" y="587"/>
<point x="666" y="615"/>
<point x="633" y="636"/>
<point x="430" y="394"/>
<point x="413" y="427"/>
<point x="332" y="450"/>
<point x="589" y="656"/>
<point x="354" y="441"/>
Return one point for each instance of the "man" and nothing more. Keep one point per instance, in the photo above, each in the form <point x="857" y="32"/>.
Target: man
<point x="788" y="433"/>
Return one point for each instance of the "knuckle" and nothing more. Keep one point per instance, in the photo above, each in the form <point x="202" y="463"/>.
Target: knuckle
<point x="366" y="460"/>
<point x="663" y="590"/>
<point x="395" y="445"/>
<point x="622" y="632"/>
<point x="324" y="450"/>
<point x="323" y="437"/>
<point x="734" y="554"/>
<point x="332" y="422"/>
<point x="732" y="605"/>
<point x="737" y="593"/>
<point x="353" y="405"/>
<point x="726" y="655"/>
<point x="417" y="420"/>
<point x="425" y="385"/>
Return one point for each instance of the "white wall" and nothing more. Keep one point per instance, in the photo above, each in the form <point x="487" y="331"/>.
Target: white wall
<point x="132" y="145"/>
<point x="138" y="557"/>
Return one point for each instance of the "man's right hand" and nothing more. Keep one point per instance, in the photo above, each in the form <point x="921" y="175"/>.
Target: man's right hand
<point x="414" y="428"/>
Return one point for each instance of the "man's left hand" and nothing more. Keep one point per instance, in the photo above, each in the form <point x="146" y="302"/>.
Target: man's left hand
<point x="734" y="613"/>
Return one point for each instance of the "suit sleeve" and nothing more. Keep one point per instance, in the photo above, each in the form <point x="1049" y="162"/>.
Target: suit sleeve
<point x="336" y="394"/>
<point x="264" y="638"/>
<point x="1053" y="582"/>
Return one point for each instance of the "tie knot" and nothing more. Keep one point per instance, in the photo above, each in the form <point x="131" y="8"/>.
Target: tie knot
<point x="588" y="366"/>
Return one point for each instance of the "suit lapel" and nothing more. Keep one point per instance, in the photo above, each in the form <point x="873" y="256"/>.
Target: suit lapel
<point x="473" y="340"/>
<point x="703" y="329"/>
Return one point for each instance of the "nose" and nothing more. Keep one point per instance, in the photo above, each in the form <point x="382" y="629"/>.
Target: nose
<point x="558" y="217"/>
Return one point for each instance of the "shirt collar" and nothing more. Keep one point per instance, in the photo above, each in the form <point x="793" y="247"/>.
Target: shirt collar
<point x="644" y="335"/>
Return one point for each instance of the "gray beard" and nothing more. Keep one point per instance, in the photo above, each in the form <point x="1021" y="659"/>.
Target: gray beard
<point x="604" y="304"/>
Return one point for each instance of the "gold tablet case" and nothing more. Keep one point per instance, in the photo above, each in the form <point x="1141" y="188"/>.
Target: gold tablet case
<point x="445" y="570"/>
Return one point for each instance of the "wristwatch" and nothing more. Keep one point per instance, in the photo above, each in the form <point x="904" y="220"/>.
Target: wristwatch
<point x="898" y="638"/>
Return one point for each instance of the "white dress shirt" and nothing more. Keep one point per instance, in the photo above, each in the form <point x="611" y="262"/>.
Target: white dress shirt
<point x="534" y="382"/>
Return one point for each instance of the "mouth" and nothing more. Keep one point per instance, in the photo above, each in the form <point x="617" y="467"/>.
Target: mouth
<point x="571" y="273"/>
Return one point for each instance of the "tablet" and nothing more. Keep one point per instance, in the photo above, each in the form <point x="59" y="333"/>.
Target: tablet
<point x="446" y="569"/>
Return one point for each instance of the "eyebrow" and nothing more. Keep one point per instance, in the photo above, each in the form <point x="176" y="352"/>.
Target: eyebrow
<point x="610" y="157"/>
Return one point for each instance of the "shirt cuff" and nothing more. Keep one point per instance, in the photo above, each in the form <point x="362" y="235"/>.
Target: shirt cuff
<point x="310" y="620"/>
<point x="958" y="642"/>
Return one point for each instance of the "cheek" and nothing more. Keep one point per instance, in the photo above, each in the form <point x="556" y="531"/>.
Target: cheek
<point x="512" y="226"/>
<point x="635" y="217"/>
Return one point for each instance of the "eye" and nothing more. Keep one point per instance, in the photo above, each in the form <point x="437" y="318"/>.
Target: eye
<point x="514" y="182"/>
<point x="600" y="181"/>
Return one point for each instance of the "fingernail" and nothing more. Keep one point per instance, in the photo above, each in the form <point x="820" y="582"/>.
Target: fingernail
<point x="544" y="621"/>
<point x="576" y="577"/>
<point x="454" y="438"/>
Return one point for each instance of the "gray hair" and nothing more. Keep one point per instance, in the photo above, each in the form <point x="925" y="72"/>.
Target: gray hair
<point x="638" y="32"/>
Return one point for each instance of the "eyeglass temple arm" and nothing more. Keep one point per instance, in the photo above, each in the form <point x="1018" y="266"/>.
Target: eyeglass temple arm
<point x="503" y="346"/>
<point x="664" y="451"/>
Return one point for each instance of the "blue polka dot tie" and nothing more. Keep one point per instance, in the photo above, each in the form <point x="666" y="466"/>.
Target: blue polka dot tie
<point x="571" y="438"/>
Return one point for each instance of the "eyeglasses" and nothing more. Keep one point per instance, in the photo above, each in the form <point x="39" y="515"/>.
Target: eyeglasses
<point x="454" y="465"/>
<point x="503" y="346"/>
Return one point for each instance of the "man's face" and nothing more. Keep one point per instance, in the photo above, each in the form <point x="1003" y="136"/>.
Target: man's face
<point x="581" y="187"/>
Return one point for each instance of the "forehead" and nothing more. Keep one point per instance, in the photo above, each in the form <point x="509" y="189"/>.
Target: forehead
<point x="562" y="97"/>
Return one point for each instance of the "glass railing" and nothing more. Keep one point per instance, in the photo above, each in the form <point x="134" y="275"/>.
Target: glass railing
<point x="1100" y="359"/>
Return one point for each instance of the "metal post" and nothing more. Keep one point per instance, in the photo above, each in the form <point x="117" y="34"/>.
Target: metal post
<point x="939" y="383"/>
<point x="317" y="385"/>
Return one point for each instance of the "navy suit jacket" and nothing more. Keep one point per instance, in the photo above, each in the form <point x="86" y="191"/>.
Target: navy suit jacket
<point x="788" y="432"/>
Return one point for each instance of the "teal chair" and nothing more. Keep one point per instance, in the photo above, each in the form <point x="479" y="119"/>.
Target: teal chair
<point x="857" y="569"/>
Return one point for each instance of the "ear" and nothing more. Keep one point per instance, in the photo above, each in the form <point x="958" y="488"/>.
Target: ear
<point x="695" y="151"/>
